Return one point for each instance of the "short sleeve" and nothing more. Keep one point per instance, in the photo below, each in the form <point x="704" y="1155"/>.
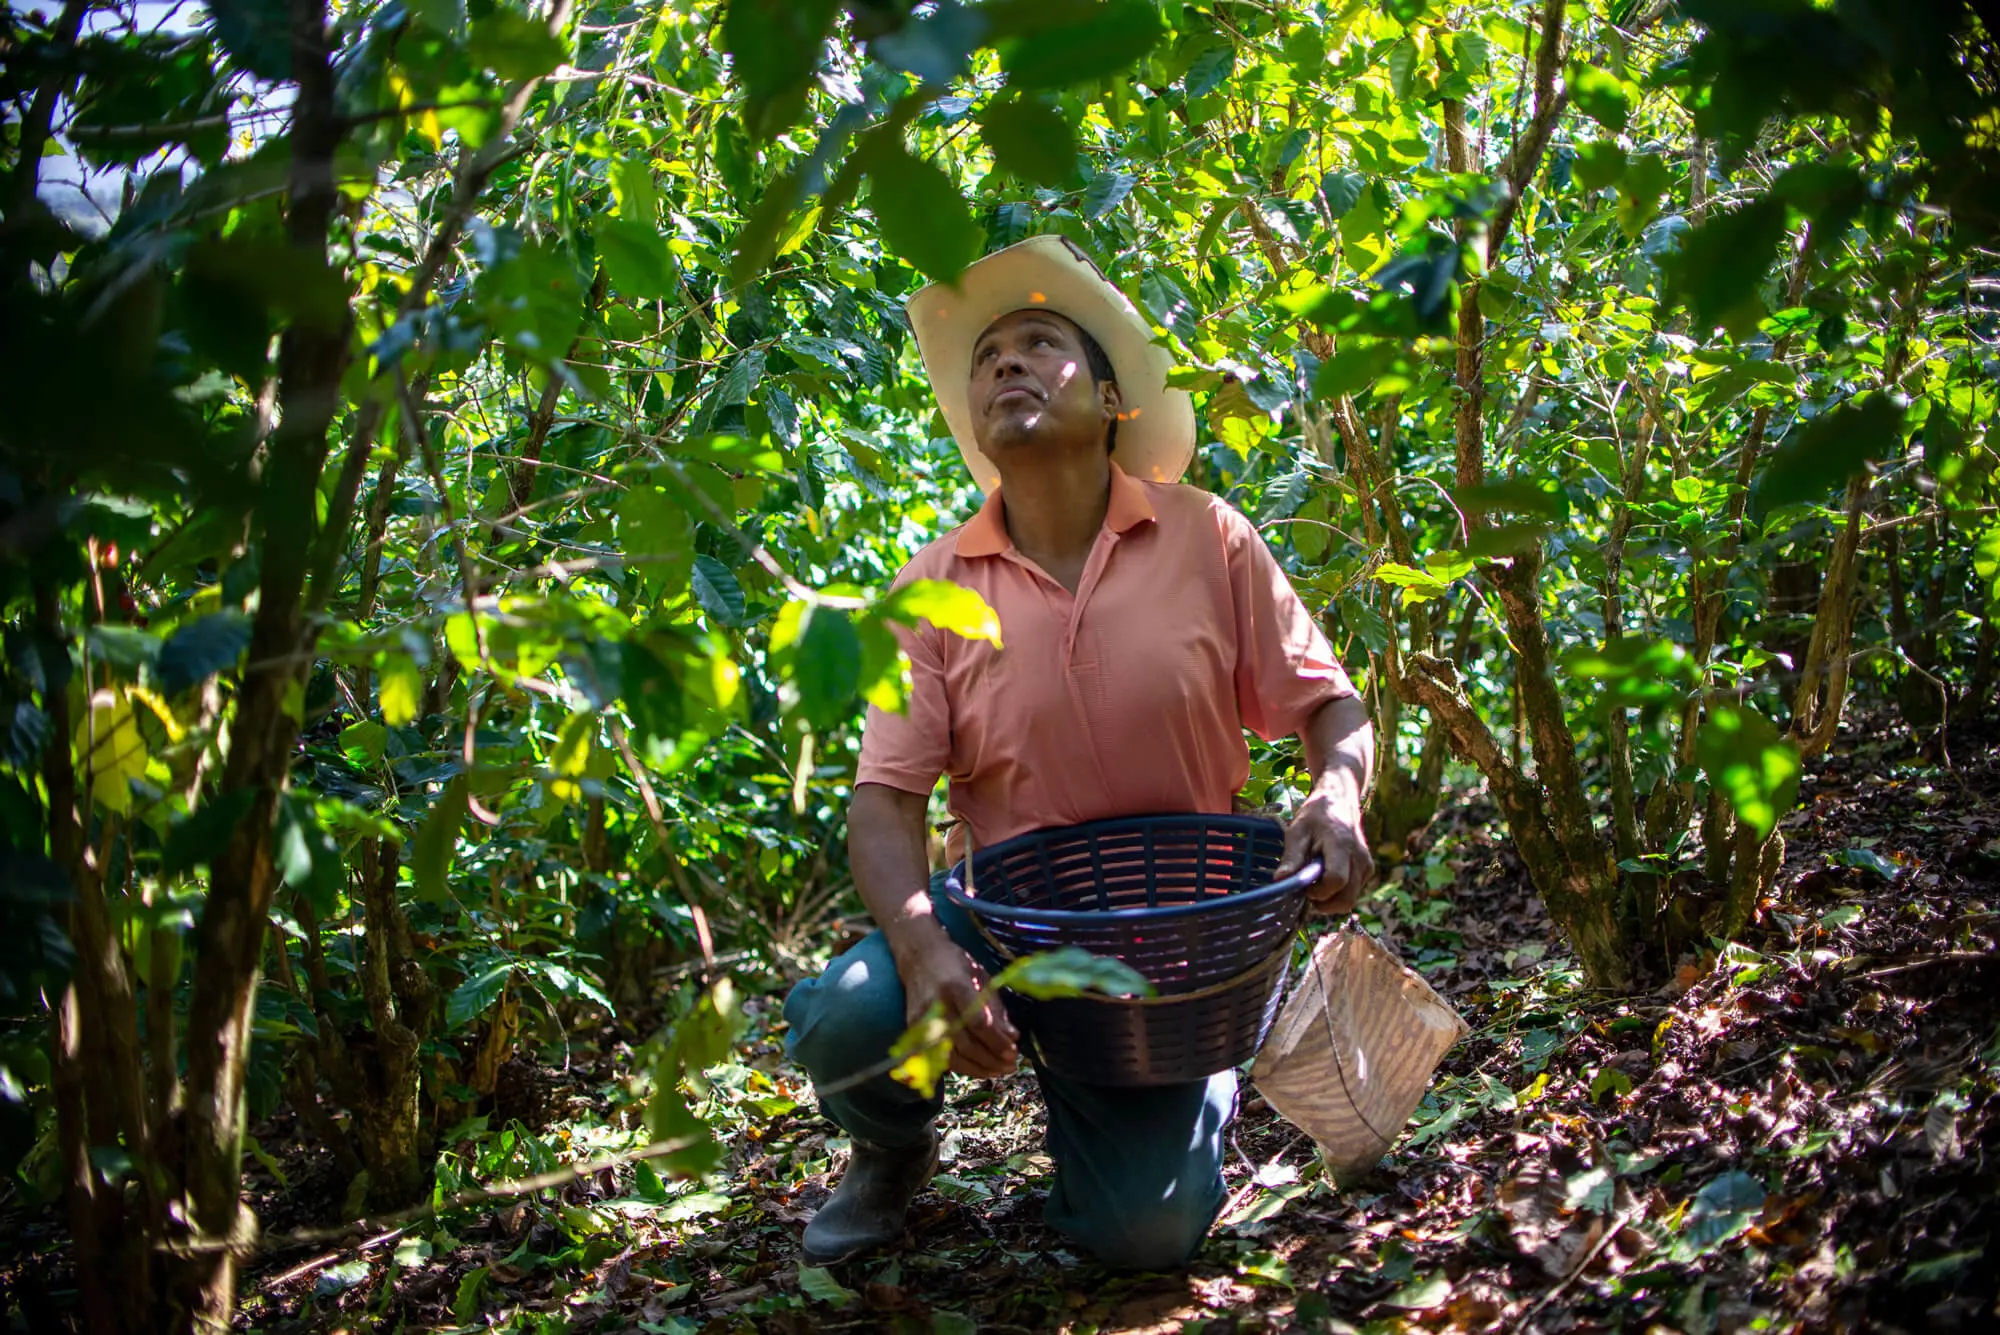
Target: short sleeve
<point x="1285" y="669"/>
<point x="909" y="751"/>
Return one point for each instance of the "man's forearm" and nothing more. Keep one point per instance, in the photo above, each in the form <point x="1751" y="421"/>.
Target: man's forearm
<point x="1340" y="748"/>
<point x="887" y="850"/>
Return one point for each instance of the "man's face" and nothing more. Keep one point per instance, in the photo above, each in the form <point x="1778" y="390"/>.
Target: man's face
<point x="1031" y="385"/>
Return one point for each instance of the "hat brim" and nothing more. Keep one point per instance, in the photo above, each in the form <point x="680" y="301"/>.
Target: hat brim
<point x="1156" y="425"/>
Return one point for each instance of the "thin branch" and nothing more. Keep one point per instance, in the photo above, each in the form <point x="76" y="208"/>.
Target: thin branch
<point x="32" y="135"/>
<point x="470" y="1198"/>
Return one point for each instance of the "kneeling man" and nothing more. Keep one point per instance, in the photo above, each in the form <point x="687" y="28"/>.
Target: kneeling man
<point x="1145" y="626"/>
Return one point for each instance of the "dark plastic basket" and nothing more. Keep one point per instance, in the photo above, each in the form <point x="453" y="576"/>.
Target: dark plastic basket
<point x="1187" y="901"/>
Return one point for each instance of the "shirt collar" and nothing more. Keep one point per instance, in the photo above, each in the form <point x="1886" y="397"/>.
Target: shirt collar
<point x="985" y="534"/>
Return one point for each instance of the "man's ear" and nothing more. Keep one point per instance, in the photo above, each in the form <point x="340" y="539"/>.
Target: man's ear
<point x="1110" y="399"/>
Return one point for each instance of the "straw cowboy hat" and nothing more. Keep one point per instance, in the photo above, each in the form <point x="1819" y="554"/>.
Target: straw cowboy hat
<point x="1156" y="426"/>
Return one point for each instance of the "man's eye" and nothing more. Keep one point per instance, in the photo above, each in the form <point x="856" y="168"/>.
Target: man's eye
<point x="1043" y="340"/>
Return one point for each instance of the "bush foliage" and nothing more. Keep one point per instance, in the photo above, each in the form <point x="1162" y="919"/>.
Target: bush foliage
<point x="453" y="453"/>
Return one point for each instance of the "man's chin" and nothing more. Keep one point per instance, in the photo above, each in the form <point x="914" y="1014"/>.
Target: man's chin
<point x="1013" y="433"/>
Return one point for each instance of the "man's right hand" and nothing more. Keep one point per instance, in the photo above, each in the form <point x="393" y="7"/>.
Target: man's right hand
<point x="940" y="971"/>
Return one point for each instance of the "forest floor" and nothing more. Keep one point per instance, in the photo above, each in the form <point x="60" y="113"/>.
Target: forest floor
<point x="1798" y="1135"/>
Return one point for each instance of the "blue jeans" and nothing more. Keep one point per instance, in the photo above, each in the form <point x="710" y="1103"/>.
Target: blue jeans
<point x="1138" y="1171"/>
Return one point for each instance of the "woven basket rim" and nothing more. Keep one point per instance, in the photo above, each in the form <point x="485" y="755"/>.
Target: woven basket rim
<point x="1295" y="884"/>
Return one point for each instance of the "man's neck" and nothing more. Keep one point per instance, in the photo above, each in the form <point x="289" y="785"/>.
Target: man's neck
<point x="1055" y="507"/>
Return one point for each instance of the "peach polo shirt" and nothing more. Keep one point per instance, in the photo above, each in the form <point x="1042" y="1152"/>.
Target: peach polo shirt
<point x="1127" y="698"/>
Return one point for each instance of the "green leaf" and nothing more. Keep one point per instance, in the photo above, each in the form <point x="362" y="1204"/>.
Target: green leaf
<point x="635" y="255"/>
<point x="1599" y="95"/>
<point x="650" y="681"/>
<point x="947" y="606"/>
<point x="1722" y="262"/>
<point x="923" y="1053"/>
<point x="1513" y="495"/>
<point x="1630" y="656"/>
<point x="1448" y="565"/>
<point x="363" y="743"/>
<point x="716" y="589"/>
<point x="1341" y="191"/>
<point x="1986" y="560"/>
<point x="437" y="840"/>
<point x="1355" y="367"/>
<point x="1645" y="178"/>
<point x="1814" y="459"/>
<point x="1610" y="1080"/>
<point x="570" y="757"/>
<point x="922" y="214"/>
<point x="257" y="34"/>
<point x="1939" y="1268"/>
<point x="196" y="839"/>
<point x="826" y="665"/>
<point x="647" y="1185"/>
<point x="481" y="988"/>
<point x="773" y="47"/>
<point x="465" y="1300"/>
<point x="1210" y="70"/>
<point x="1470" y="51"/>
<point x="820" y="1286"/>
<point x="885" y="674"/>
<point x="758" y="242"/>
<point x="533" y="296"/>
<point x="695" y="1205"/>
<point x="200" y="649"/>
<point x="306" y="856"/>
<point x="734" y="157"/>
<point x="1049" y="46"/>
<point x="1366" y="622"/>
<point x="515" y="46"/>
<point x="1106" y="191"/>
<point x="1402" y="67"/>
<point x="633" y="190"/>
<point x="338" y="1279"/>
<point x="668" y="1118"/>
<point x="1756" y="769"/>
<point x="657" y="534"/>
<point x="1598" y="164"/>
<point x="1405" y="11"/>
<point x="1031" y="140"/>
<point x="399" y="689"/>
<point x="1865" y="859"/>
<point x="708" y="1033"/>
<point x="1721" y="1210"/>
<point x="934" y="47"/>
<point x="127" y="648"/>
<point x="1069" y="972"/>
<point x="1421" y="1294"/>
<point x="1410" y="579"/>
<point x="1944" y="437"/>
<point x="1168" y="305"/>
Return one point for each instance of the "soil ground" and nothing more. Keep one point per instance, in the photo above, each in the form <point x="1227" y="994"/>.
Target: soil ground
<point x="1797" y="1135"/>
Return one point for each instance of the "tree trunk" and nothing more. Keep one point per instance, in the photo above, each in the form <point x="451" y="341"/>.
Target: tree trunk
<point x="229" y="938"/>
<point x="401" y="1000"/>
<point x="1581" y="894"/>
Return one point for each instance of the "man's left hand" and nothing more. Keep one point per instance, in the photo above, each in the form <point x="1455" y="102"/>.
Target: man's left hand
<point x="1328" y="830"/>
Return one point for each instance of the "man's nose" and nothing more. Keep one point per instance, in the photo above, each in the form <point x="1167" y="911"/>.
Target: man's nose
<point x="1010" y="362"/>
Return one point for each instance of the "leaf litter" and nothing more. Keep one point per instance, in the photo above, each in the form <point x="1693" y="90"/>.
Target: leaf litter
<point x="1795" y="1134"/>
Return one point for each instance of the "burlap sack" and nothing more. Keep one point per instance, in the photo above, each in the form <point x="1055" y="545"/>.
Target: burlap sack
<point x="1353" y="1049"/>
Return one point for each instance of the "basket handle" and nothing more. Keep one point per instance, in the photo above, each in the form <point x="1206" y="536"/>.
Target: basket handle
<point x="1304" y="876"/>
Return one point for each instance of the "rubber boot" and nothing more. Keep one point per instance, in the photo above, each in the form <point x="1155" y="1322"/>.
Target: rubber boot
<point x="866" y="1210"/>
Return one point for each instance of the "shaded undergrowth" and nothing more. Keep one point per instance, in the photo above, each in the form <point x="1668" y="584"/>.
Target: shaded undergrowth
<point x="1794" y="1134"/>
